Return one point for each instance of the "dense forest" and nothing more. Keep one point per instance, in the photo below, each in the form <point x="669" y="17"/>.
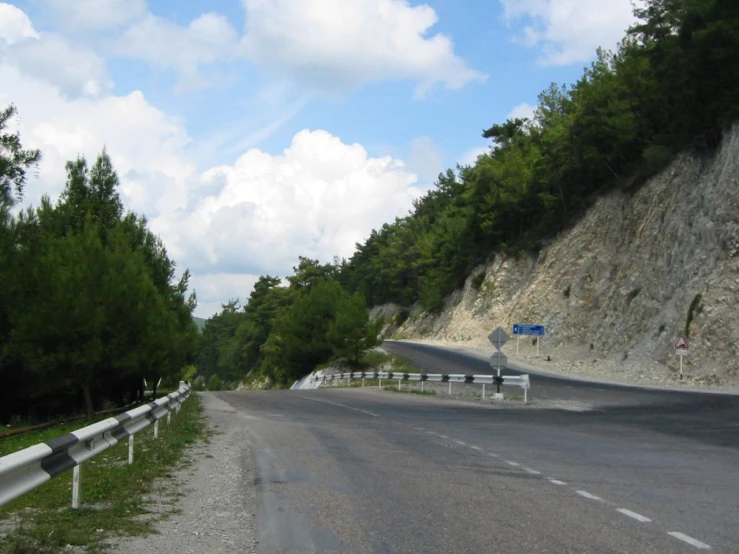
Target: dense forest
<point x="672" y="85"/>
<point x="89" y="303"/>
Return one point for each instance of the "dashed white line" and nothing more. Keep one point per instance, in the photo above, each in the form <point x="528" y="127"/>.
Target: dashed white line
<point x="637" y="517"/>
<point x="476" y="448"/>
<point x="690" y="540"/>
<point x="532" y="471"/>
<point x="510" y="463"/>
<point x="557" y="482"/>
<point x="586" y="494"/>
<point x="461" y="443"/>
<point x="342" y="405"/>
<point x="493" y="455"/>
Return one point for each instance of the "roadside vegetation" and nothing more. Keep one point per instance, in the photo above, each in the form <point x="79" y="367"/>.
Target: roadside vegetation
<point x="113" y="494"/>
<point x="89" y="302"/>
<point x="671" y="86"/>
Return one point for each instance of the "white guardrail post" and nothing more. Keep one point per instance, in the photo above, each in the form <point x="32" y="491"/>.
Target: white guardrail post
<point x="31" y="467"/>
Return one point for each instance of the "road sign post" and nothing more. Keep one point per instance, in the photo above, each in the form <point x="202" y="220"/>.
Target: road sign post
<point x="498" y="338"/>
<point x="535" y="330"/>
<point x="681" y="349"/>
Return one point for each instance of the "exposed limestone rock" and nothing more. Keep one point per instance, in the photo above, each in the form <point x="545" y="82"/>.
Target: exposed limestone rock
<point x="618" y="287"/>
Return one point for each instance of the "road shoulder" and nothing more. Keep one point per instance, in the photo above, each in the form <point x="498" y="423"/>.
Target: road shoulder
<point x="215" y="511"/>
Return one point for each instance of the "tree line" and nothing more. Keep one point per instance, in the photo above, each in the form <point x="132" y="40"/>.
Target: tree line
<point x="671" y="85"/>
<point x="286" y="329"/>
<point x="89" y="302"/>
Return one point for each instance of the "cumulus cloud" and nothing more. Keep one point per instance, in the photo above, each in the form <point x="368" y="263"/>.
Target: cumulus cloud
<point x="470" y="157"/>
<point x="74" y="70"/>
<point x="522" y="111"/>
<point x="95" y="14"/>
<point x="206" y="40"/>
<point x="318" y="199"/>
<point x="570" y="31"/>
<point x="14" y="25"/>
<point x="330" y="44"/>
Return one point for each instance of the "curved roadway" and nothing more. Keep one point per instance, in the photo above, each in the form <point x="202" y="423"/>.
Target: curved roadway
<point x="352" y="470"/>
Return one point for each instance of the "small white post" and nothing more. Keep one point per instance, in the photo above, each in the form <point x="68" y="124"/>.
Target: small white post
<point x="156" y="429"/>
<point x="380" y="385"/>
<point x="681" y="367"/>
<point x="483" y="391"/>
<point x="130" y="450"/>
<point x="537" y="347"/>
<point x="169" y="414"/>
<point x="525" y="395"/>
<point x="450" y="387"/>
<point x="362" y="382"/>
<point x="76" y="487"/>
<point x="518" y="339"/>
<point x="398" y="385"/>
<point x="422" y="386"/>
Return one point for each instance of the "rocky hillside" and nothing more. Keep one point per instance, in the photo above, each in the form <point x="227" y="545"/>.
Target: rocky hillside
<point x="616" y="290"/>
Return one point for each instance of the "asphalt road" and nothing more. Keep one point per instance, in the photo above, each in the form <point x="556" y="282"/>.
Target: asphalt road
<point x="350" y="470"/>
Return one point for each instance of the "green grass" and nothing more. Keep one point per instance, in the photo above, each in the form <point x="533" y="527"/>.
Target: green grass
<point x="111" y="493"/>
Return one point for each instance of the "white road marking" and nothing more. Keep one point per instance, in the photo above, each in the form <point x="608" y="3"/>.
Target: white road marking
<point x="442" y="436"/>
<point x="510" y="463"/>
<point x="460" y="443"/>
<point x="637" y="517"/>
<point x="532" y="471"/>
<point x="493" y="455"/>
<point x="690" y="540"/>
<point x="342" y="405"/>
<point x="586" y="494"/>
<point x="556" y="482"/>
<point x="476" y="448"/>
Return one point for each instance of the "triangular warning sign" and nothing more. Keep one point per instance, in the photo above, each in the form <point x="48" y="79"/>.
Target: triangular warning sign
<point x="681" y="344"/>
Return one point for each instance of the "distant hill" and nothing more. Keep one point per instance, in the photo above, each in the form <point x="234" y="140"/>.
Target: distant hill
<point x="199" y="322"/>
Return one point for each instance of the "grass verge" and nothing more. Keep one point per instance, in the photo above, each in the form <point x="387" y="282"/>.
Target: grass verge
<point x="112" y="493"/>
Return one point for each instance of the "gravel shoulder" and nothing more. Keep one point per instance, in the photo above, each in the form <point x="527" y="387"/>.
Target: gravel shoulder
<point x="214" y="511"/>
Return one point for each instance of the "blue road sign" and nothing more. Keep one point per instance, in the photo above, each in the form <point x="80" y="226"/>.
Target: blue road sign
<point x="537" y="330"/>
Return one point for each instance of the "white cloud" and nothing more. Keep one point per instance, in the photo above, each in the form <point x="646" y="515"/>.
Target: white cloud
<point x="426" y="159"/>
<point x="318" y="199"/>
<point x="95" y="14"/>
<point x="470" y="157"/>
<point x="330" y="44"/>
<point x="14" y="25"/>
<point x="569" y="31"/>
<point x="522" y="111"/>
<point x="206" y="40"/>
<point x="215" y="289"/>
<point x="75" y="70"/>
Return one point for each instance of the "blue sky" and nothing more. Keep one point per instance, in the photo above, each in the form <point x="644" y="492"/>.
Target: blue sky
<point x="198" y="101"/>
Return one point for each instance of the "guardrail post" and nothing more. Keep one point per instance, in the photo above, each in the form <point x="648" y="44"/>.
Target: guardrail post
<point x="483" y="391"/>
<point x="399" y="381"/>
<point x="421" y="386"/>
<point x="362" y="382"/>
<point x="450" y="387"/>
<point x="76" y="487"/>
<point x="156" y="429"/>
<point x="380" y="385"/>
<point x="169" y="413"/>
<point x="130" y="449"/>
<point x="525" y="396"/>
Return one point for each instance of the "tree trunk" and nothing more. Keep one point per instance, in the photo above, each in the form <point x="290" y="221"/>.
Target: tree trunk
<point x="88" y="401"/>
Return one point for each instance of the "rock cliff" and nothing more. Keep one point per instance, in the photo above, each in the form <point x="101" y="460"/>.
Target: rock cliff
<point x="615" y="290"/>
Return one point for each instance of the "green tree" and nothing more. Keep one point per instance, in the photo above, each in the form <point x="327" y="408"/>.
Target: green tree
<point x="351" y="333"/>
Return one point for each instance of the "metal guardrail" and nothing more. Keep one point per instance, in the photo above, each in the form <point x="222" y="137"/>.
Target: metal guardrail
<point x="509" y="380"/>
<point x="31" y="467"/>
